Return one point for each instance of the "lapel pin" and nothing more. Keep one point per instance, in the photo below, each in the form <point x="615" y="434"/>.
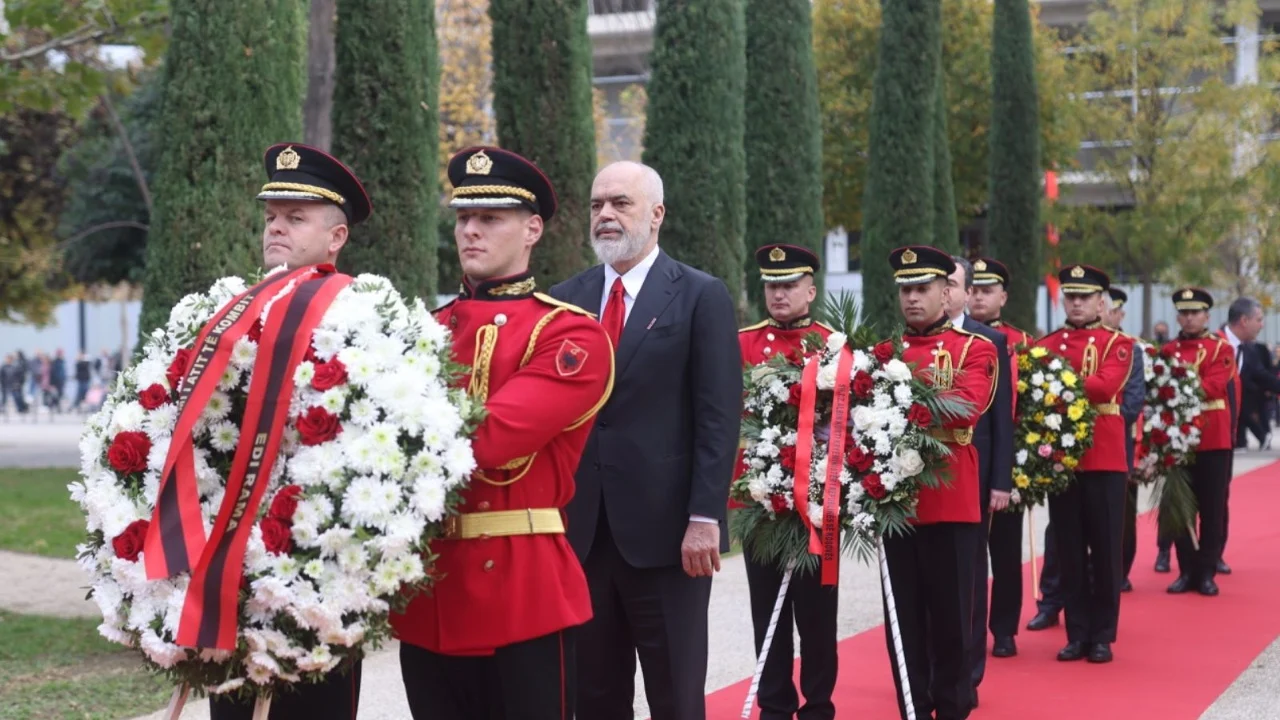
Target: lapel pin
<point x="650" y="325"/>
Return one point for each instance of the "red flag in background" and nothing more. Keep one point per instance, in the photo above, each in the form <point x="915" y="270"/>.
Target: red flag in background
<point x="1051" y="234"/>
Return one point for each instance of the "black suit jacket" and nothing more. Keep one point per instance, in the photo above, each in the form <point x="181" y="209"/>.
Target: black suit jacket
<point x="1254" y="373"/>
<point x="664" y="445"/>
<point x="993" y="435"/>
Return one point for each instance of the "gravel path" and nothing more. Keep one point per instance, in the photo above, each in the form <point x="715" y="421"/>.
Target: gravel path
<point x="43" y="586"/>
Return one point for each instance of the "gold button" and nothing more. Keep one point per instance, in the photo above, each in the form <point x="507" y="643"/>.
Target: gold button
<point x="769" y="336"/>
<point x="488" y="565"/>
<point x="484" y="505"/>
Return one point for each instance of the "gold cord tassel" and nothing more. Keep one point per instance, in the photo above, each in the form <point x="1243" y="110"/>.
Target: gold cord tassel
<point x="1090" y="364"/>
<point x="943" y="370"/>
<point x="486" y="341"/>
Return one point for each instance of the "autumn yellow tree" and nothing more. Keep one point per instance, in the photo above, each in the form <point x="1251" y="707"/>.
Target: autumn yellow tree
<point x="466" y="77"/>
<point x="619" y="125"/>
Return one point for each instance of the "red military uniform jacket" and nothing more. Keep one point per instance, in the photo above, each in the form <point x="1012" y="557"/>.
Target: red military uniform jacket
<point x="1016" y="338"/>
<point x="543" y="369"/>
<point x="1103" y="357"/>
<point x="762" y="341"/>
<point x="965" y="366"/>
<point x="1215" y="361"/>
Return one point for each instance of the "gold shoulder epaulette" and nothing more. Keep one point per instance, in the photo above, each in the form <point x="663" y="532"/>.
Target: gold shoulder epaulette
<point x="828" y="328"/>
<point x="757" y="326"/>
<point x="561" y="304"/>
<point x="962" y="331"/>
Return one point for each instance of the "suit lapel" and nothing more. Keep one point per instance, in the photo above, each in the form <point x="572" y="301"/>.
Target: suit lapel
<point x="656" y="294"/>
<point x="589" y="291"/>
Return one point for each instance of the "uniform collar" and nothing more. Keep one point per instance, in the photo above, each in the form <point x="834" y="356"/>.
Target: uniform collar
<point x="1094" y="325"/>
<point x="512" y="287"/>
<point x="938" y="327"/>
<point x="996" y="323"/>
<point x="803" y="321"/>
<point x="1202" y="334"/>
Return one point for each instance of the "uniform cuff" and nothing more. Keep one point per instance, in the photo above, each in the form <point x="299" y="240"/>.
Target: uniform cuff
<point x="703" y="519"/>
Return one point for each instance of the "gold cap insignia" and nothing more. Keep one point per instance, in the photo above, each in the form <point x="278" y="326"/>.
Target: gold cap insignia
<point x="1187" y="294"/>
<point x="479" y="164"/>
<point x="777" y="255"/>
<point x="288" y="159"/>
<point x="980" y="265"/>
<point x="908" y="257"/>
<point x="1077" y="272"/>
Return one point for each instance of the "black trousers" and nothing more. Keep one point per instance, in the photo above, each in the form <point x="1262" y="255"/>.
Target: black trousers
<point x="530" y="680"/>
<point x="812" y="607"/>
<point x="658" y="613"/>
<point x="1005" y="543"/>
<point x="1130" y="542"/>
<point x="931" y="570"/>
<point x="1051" y="594"/>
<point x="1226" y="504"/>
<point x="1088" y="525"/>
<point x="977" y="651"/>
<point x="1209" y="475"/>
<point x="336" y="697"/>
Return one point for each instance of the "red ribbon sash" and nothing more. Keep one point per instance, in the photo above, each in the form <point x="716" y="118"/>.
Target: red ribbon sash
<point x="804" y="447"/>
<point x="209" y="613"/>
<point x="175" y="537"/>
<point x="828" y="545"/>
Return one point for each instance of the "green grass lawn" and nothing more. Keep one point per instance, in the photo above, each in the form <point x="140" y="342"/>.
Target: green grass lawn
<point x="55" y="668"/>
<point x="36" y="512"/>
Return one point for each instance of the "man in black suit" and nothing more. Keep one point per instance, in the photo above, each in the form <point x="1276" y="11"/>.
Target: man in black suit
<point x="648" y="519"/>
<point x="993" y="439"/>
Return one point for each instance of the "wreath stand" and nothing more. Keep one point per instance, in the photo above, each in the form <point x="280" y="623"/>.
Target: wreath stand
<point x="261" y="706"/>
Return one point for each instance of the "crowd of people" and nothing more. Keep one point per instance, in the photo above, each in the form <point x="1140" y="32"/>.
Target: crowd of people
<point x="28" y="383"/>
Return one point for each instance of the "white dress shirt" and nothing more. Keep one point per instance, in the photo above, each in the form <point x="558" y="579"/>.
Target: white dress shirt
<point x="632" y="281"/>
<point x="957" y="322"/>
<point x="1235" y="346"/>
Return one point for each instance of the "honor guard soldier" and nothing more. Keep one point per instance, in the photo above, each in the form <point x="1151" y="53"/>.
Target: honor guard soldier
<point x="1004" y="543"/>
<point x="1135" y="392"/>
<point x="1083" y="517"/>
<point x="931" y="568"/>
<point x="787" y="272"/>
<point x="490" y="640"/>
<point x="310" y="202"/>
<point x="1215" y="363"/>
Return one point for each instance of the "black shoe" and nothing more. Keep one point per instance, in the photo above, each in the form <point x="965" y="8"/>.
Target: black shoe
<point x="1100" y="653"/>
<point x="1162" y="561"/>
<point x="1181" y="585"/>
<point x="1208" y="588"/>
<point x="1004" y="647"/>
<point x="1043" y="621"/>
<point x="1127" y="586"/>
<point x="1223" y="568"/>
<point x="1073" y="651"/>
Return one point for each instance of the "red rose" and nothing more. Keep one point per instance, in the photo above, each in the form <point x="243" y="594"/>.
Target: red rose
<point x="329" y="374"/>
<point x="277" y="535"/>
<point x="255" y="331"/>
<point x="1179" y="371"/>
<point x="1151" y="351"/>
<point x="1058" y="455"/>
<point x="793" y="395"/>
<point x="883" y="352"/>
<point x="1198" y="421"/>
<point x="778" y="503"/>
<point x="153" y="397"/>
<point x="787" y="457"/>
<point x="863" y="384"/>
<point x="1185" y="428"/>
<point x="1166" y="417"/>
<point x="871" y="483"/>
<point x="285" y="502"/>
<point x="1166" y="393"/>
<point x="178" y="368"/>
<point x="858" y="459"/>
<point x="919" y="415"/>
<point x="128" y="544"/>
<point x="1158" y="369"/>
<point x="318" y="426"/>
<point x="128" y="452"/>
<point x="1159" y="437"/>
<point x="311" y="354"/>
<point x="1170" y="461"/>
<point x="1060" y="408"/>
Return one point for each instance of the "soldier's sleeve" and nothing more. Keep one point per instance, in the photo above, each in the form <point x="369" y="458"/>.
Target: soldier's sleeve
<point x="1114" y="368"/>
<point x="1216" y="373"/>
<point x="565" y="383"/>
<point x="976" y="385"/>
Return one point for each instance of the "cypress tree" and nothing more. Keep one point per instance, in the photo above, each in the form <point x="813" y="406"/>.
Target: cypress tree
<point x="899" y="208"/>
<point x="694" y="133"/>
<point x="946" y="226"/>
<point x="385" y="129"/>
<point x="783" y="142"/>
<point x="542" y="101"/>
<point x="232" y="85"/>
<point x="1013" y="224"/>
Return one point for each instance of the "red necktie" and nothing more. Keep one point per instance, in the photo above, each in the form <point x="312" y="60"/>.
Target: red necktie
<point x="615" y="312"/>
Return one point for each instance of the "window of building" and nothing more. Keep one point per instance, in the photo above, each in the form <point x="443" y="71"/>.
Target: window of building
<point x="608" y="7"/>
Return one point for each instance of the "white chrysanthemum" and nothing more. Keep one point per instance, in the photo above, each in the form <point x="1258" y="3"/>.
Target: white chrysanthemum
<point x="151" y="371"/>
<point x="1068" y="396"/>
<point x="333" y="400"/>
<point x="315" y="510"/>
<point x="230" y="379"/>
<point x="1055" y="387"/>
<point x="217" y="408"/>
<point x="361" y="369"/>
<point x="316" y="660"/>
<point x="308" y="464"/>
<point x="162" y="653"/>
<point x="226" y="687"/>
<point x="1037" y="394"/>
<point x="902" y="395"/>
<point x="224" y="436"/>
<point x="305" y="534"/>
<point x="1068" y="440"/>
<point x="304" y="373"/>
<point x="369" y="502"/>
<point x="883" y="401"/>
<point x="1037" y="378"/>
<point x="243" y="353"/>
<point x="128" y="416"/>
<point x="429" y="496"/>
<point x="327" y="342"/>
<point x="458" y="460"/>
<point x="1021" y="457"/>
<point x="364" y="413"/>
<point x="160" y="422"/>
<point x="897" y="371"/>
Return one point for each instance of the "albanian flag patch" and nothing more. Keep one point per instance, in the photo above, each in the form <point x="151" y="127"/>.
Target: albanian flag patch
<point x="570" y="359"/>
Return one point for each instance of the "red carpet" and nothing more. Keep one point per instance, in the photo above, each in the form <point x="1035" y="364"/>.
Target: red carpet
<point x="1175" y="654"/>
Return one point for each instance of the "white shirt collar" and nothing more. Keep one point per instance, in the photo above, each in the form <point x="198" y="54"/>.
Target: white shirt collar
<point x="1231" y="337"/>
<point x="958" y="321"/>
<point x="634" y="278"/>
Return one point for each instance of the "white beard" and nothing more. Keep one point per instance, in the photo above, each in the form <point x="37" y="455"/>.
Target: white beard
<point x="628" y="247"/>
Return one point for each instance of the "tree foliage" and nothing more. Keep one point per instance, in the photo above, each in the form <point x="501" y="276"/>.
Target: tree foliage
<point x="232" y="86"/>
<point x="783" y="141"/>
<point x="694" y="133"/>
<point x="1173" y="142"/>
<point x="384" y="122"/>
<point x="946" y="228"/>
<point x="1014" y="233"/>
<point x="620" y="128"/>
<point x="542" y="100"/>
<point x="846" y="33"/>
<point x="899" y="207"/>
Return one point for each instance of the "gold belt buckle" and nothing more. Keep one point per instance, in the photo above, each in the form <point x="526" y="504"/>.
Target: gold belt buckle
<point x="452" y="526"/>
